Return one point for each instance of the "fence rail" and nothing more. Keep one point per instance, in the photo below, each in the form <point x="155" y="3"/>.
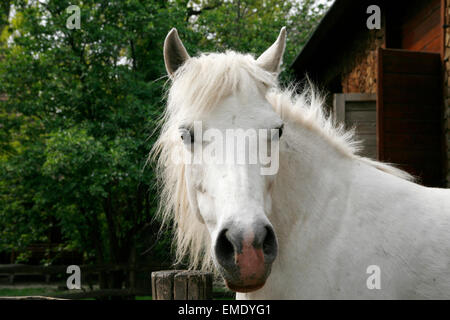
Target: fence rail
<point x="8" y="269"/>
<point x="30" y="298"/>
<point x="89" y="274"/>
<point x="164" y="285"/>
<point x="80" y="294"/>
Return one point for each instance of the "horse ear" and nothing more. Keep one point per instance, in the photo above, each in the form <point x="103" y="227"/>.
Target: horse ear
<point x="272" y="58"/>
<point x="175" y="53"/>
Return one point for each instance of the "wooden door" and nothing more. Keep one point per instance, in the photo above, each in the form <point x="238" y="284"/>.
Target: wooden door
<point x="409" y="113"/>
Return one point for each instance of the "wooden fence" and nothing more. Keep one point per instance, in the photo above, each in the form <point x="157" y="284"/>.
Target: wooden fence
<point x="87" y="271"/>
<point x="164" y="285"/>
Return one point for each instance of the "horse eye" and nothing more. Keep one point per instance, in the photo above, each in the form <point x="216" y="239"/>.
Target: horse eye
<point x="187" y="135"/>
<point x="280" y="130"/>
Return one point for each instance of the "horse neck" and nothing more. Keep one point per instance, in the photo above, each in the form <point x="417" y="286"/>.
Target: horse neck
<point x="313" y="178"/>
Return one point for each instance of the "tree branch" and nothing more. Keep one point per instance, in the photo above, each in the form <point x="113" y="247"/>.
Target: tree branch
<point x="193" y="12"/>
<point x="133" y="55"/>
<point x="114" y="242"/>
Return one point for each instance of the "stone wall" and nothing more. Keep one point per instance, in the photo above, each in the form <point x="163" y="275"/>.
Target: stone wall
<point x="447" y="87"/>
<point x="359" y="72"/>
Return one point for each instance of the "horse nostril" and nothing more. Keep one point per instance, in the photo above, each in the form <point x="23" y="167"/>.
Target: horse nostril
<point x="270" y="246"/>
<point x="224" y="248"/>
<point x="230" y="242"/>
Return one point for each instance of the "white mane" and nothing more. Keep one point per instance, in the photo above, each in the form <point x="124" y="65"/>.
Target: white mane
<point x="197" y="87"/>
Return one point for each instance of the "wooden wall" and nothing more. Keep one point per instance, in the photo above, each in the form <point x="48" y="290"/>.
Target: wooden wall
<point x="421" y="30"/>
<point x="416" y="26"/>
<point x="446" y="55"/>
<point x="358" y="110"/>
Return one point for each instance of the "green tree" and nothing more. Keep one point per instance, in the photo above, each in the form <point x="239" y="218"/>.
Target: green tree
<point x="252" y="25"/>
<point x="81" y="105"/>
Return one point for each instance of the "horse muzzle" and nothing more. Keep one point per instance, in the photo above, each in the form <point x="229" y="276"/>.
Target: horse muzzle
<point x="245" y="256"/>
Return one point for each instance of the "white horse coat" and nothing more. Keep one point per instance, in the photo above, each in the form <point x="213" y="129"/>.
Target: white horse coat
<point x="335" y="215"/>
<point x="340" y="216"/>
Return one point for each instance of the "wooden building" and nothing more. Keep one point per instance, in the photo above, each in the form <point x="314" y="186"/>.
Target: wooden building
<point x="391" y="83"/>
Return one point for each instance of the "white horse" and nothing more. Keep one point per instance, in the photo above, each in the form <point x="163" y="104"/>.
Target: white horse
<point x="328" y="225"/>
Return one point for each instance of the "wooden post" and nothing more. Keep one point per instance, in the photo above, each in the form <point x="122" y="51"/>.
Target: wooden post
<point x="181" y="285"/>
<point x="162" y="284"/>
